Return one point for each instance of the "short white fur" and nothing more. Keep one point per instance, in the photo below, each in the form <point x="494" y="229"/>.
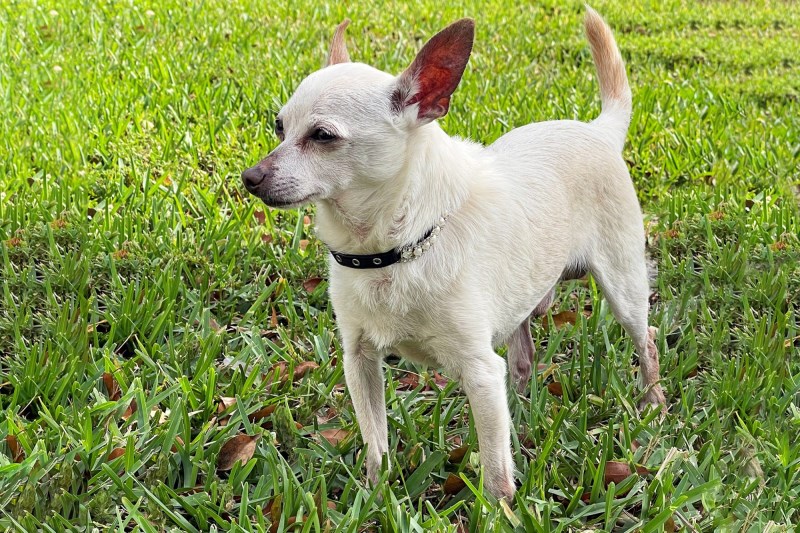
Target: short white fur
<point x="544" y="199"/>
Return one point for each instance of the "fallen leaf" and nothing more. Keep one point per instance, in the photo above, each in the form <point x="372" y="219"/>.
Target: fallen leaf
<point x="617" y="472"/>
<point x="273" y="321"/>
<point x="311" y="283"/>
<point x="409" y="381"/>
<point x="91" y="328"/>
<point x="179" y="440"/>
<point x="17" y="452"/>
<point x="130" y="410"/>
<point x="334" y="436"/>
<point x="303" y="368"/>
<point x="260" y="216"/>
<point x="303" y="244"/>
<point x="306" y="220"/>
<point x="555" y="389"/>
<point x="669" y="526"/>
<point x="453" y="484"/>
<point x="214" y="325"/>
<point x="457" y="454"/>
<point x="224" y="403"/>
<point x="325" y="415"/>
<point x="276" y="525"/>
<point x="275" y="508"/>
<point x="112" y="387"/>
<point x="262" y="413"/>
<point x="116" y="452"/>
<point x="238" y="449"/>
<point x="440" y="380"/>
<point x="279" y="371"/>
<point x="266" y="238"/>
<point x="560" y="319"/>
<point x="635" y="445"/>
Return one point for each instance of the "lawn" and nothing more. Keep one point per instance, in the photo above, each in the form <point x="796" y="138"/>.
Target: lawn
<point x="168" y="355"/>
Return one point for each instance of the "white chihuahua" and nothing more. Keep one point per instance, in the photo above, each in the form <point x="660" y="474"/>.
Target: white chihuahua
<point x="442" y="249"/>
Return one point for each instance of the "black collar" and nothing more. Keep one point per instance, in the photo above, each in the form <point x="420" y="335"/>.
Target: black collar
<point x="396" y="255"/>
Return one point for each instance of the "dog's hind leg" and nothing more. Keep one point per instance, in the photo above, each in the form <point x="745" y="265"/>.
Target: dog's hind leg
<point x="482" y="375"/>
<point x="521" y="350"/>
<point x="622" y="276"/>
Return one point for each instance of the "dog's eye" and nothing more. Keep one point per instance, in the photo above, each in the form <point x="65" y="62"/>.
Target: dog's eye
<point x="279" y="127"/>
<point x="321" y="135"/>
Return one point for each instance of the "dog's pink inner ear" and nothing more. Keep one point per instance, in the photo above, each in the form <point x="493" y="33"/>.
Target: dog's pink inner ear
<point x="437" y="70"/>
<point x="338" y="50"/>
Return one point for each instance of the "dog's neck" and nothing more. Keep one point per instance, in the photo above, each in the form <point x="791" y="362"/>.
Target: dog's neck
<point x="383" y="216"/>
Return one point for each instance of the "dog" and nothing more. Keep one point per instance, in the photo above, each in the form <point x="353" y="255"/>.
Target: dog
<point x="442" y="249"/>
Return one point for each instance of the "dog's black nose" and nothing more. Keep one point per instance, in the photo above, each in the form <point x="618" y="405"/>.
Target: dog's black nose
<point x="252" y="177"/>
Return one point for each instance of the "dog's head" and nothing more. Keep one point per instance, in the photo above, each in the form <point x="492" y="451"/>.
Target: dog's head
<point x="347" y="125"/>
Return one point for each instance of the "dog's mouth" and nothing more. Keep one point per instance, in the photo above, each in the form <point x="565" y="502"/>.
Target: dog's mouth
<point x="282" y="203"/>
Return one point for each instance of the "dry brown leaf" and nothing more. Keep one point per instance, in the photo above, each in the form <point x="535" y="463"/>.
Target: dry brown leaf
<point x="334" y="436"/>
<point x="275" y="508"/>
<point x="303" y="244"/>
<point x="273" y="320"/>
<point x="304" y="368"/>
<point x="116" y="452"/>
<point x="279" y="371"/>
<point x="669" y="526"/>
<point x="214" y="325"/>
<point x="555" y="389"/>
<point x="266" y="238"/>
<point x="224" y="403"/>
<point x="409" y="381"/>
<point x="306" y="220"/>
<point x="112" y="387"/>
<point x="238" y="449"/>
<point x="440" y="380"/>
<point x="275" y="528"/>
<point x="91" y="328"/>
<point x="179" y="440"/>
<point x="262" y="413"/>
<point x="560" y="319"/>
<point x="325" y="415"/>
<point x="617" y="472"/>
<point x="635" y="445"/>
<point x="457" y="454"/>
<point x="311" y="283"/>
<point x="16" y="449"/>
<point x="260" y="216"/>
<point x="453" y="484"/>
<point x="130" y="410"/>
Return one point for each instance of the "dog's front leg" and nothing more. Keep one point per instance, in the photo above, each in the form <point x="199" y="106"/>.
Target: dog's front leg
<point x="363" y="373"/>
<point x="483" y="379"/>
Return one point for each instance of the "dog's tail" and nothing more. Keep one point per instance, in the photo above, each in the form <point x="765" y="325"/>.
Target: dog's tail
<point x="615" y="93"/>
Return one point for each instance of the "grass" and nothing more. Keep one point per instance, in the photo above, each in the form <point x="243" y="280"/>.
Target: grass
<point x="151" y="311"/>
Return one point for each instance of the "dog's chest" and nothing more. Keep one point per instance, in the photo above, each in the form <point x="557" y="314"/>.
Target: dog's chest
<point x="389" y="309"/>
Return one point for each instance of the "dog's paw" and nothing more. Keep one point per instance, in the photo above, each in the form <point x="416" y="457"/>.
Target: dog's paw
<point x="501" y="488"/>
<point x="654" y="398"/>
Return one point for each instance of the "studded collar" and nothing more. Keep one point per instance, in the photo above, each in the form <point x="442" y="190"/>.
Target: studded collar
<point x="404" y="254"/>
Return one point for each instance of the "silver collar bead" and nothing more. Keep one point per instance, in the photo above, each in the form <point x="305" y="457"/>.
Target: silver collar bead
<point x="414" y="251"/>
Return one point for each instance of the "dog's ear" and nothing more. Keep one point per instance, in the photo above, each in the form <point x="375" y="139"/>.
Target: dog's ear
<point x="338" y="50"/>
<point x="435" y="72"/>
